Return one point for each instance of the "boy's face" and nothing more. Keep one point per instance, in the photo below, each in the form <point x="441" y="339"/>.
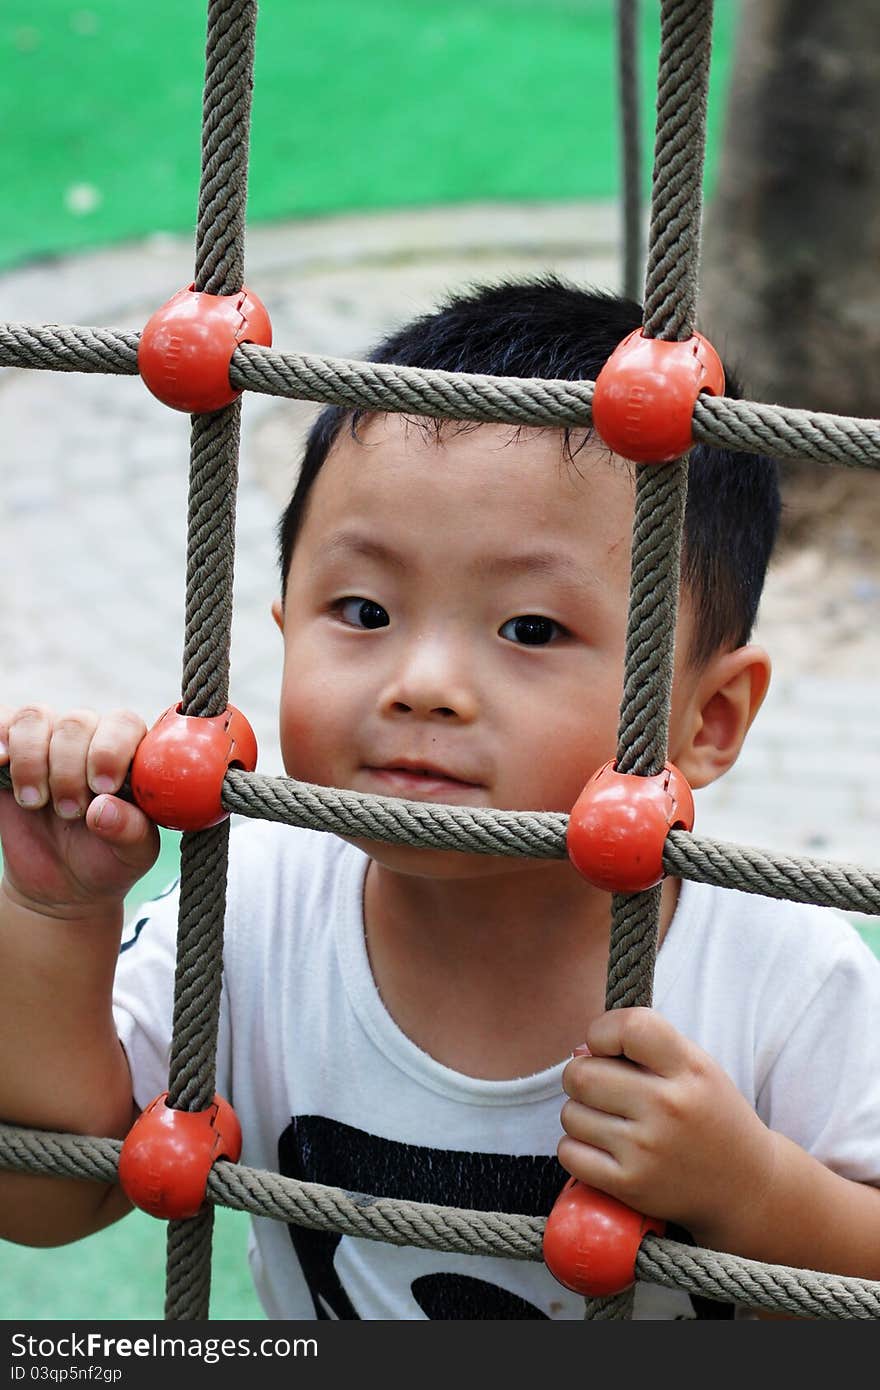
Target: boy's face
<point x="455" y="619"/>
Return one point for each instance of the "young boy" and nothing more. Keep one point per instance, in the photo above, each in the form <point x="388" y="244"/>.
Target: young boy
<point x="401" y="1020"/>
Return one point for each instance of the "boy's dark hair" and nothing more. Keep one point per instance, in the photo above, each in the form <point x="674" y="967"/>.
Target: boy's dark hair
<point x="545" y="327"/>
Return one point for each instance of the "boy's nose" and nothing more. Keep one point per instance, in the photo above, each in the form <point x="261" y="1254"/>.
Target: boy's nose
<point x="430" y="685"/>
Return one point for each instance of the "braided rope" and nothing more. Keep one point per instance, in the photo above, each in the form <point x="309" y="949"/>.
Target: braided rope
<point x="198" y="973"/>
<point x="213" y="482"/>
<point x="539" y="835"/>
<point x="661" y="494"/>
<point x="188" y="1267"/>
<point x="751" y="426"/>
<point x="378" y="386"/>
<point x="661" y="491"/>
<point x="509" y="1236"/>
<point x="787" y="433"/>
<point x="213" y="486"/>
<point x="677" y="190"/>
<point x="226" y="116"/>
<point x="58" y="347"/>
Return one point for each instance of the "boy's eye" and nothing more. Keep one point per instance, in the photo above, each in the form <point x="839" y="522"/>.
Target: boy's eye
<point x="362" y="612"/>
<point x="531" y="630"/>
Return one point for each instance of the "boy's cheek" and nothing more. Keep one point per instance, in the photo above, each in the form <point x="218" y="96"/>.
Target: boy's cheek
<point x="568" y="764"/>
<point x="310" y="739"/>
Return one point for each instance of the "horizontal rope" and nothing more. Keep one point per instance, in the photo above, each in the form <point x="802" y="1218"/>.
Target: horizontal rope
<point x="332" y="380"/>
<point x="536" y="835"/>
<point x="62" y="347"/>
<point x="780" y="431"/>
<point x="379" y="386"/>
<point x="776" y="1288"/>
<point x="787" y="432"/>
<point x="823" y="882"/>
<point x="507" y="1235"/>
<point x="541" y="835"/>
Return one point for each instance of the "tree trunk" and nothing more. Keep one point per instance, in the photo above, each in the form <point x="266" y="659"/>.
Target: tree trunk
<point x="791" y="251"/>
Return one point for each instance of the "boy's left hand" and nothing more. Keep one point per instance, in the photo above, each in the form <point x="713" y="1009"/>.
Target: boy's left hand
<point x="654" y="1121"/>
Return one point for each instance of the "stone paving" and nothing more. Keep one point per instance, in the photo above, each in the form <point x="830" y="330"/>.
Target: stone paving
<point x="93" y="506"/>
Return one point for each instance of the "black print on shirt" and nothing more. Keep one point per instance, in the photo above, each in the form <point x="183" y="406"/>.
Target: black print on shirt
<point x="315" y="1149"/>
<point x="319" y="1150"/>
<point x="131" y="935"/>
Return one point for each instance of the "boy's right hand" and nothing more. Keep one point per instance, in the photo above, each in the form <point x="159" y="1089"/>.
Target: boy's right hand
<point x="71" y="850"/>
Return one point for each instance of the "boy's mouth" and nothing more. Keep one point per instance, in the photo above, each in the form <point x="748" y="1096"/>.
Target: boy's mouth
<point x="404" y="777"/>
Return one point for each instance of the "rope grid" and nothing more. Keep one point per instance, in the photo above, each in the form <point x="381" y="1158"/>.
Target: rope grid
<point x="754" y="426"/>
<point x="669" y="298"/>
<point x="261" y="1193"/>
<point x="539" y="835"/>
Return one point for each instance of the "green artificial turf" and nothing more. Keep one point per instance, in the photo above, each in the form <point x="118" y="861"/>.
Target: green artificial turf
<point x="358" y="104"/>
<point x="119" y="1274"/>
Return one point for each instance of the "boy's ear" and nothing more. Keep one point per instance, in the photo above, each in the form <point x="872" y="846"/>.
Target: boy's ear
<point x="278" y="614"/>
<point x="724" y="700"/>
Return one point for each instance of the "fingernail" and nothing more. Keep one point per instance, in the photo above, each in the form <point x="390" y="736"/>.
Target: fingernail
<point x="29" y="796"/>
<point x="4" y="751"/>
<point x="107" y="815"/>
<point x="68" y="809"/>
<point x="102" y="784"/>
<point x="582" y="1051"/>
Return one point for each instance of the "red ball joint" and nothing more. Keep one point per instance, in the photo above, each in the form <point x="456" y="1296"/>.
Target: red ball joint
<point x="645" y="395"/>
<point x="178" y="768"/>
<point x="187" y="346"/>
<point x="167" y="1155"/>
<point x="591" y="1240"/>
<point x="619" y="823"/>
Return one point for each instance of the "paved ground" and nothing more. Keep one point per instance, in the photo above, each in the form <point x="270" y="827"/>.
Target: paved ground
<point x="94" y="507"/>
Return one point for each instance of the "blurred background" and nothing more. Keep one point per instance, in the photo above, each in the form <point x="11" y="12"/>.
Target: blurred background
<point x="399" y="149"/>
<point x="357" y="106"/>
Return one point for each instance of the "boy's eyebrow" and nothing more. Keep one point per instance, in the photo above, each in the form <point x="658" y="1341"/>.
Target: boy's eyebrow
<point x="354" y="543"/>
<point x="544" y="562"/>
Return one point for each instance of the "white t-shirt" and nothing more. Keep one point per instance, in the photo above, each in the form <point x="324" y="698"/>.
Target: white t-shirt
<point x="328" y="1089"/>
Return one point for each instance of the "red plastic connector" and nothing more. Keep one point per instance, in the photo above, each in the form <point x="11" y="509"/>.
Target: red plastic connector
<point x="178" y="768"/>
<point x="645" y="394"/>
<point x="591" y="1240"/>
<point x="187" y="345"/>
<point x="167" y="1155"/>
<point x="619" y="823"/>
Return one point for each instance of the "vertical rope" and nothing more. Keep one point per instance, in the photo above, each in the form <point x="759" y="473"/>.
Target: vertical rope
<point x="661" y="490"/>
<point x="219" y="261"/>
<point x="210" y="560"/>
<point x="679" y="154"/>
<point x="631" y="144"/>
<point x="188" y="1281"/>
<point x="198" y="975"/>
<point x="226" y="117"/>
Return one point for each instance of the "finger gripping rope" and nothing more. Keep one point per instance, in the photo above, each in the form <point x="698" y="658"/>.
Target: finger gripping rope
<point x="618" y="826"/>
<point x="187" y="345"/>
<point x="178" y="768"/>
<point x="167" y="1155"/>
<point x="591" y="1240"/>
<point x="644" y="400"/>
